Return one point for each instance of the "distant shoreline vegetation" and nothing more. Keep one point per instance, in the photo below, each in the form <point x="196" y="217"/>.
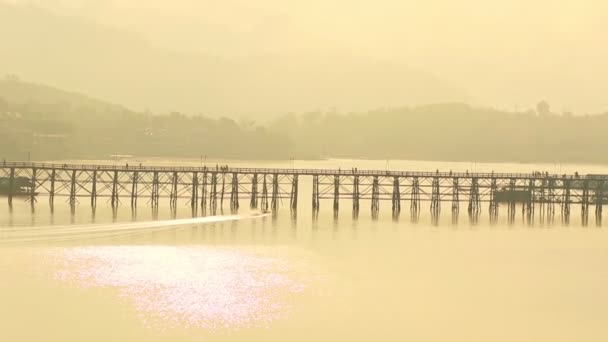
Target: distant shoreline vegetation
<point x="43" y="123"/>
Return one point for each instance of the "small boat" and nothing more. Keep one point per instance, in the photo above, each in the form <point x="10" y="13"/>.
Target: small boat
<point x="21" y="186"/>
<point x="506" y="196"/>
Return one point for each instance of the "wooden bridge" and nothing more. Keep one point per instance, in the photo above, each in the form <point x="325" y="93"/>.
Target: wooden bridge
<point x="267" y="189"/>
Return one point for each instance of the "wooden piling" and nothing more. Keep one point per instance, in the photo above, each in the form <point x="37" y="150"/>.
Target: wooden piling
<point x="435" y="200"/>
<point x="93" y="190"/>
<point x="204" y="193"/>
<point x="356" y="196"/>
<point x="315" y="193"/>
<point x="264" y="195"/>
<point x="73" y="181"/>
<point x="493" y="209"/>
<point x="52" y="189"/>
<point x="375" y="197"/>
<point x="599" y="200"/>
<point x="275" y="193"/>
<point x="194" y="193"/>
<point x="114" y="198"/>
<point x="396" y="198"/>
<point x="455" y="200"/>
<point x="585" y="203"/>
<point x="566" y="202"/>
<point x="34" y="183"/>
<point x="253" y="203"/>
<point x="474" y="204"/>
<point x="293" y="200"/>
<point x="415" y="200"/>
<point x="134" y="190"/>
<point x="155" y="193"/>
<point x="336" y="193"/>
<point x="511" y="205"/>
<point x="234" y="193"/>
<point x="11" y="185"/>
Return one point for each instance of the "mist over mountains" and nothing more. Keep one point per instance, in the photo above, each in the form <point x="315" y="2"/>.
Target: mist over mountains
<point x="74" y="53"/>
<point x="264" y="81"/>
<point x="244" y="58"/>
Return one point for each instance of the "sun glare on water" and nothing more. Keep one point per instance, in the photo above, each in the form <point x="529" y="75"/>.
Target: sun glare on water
<point x="194" y="286"/>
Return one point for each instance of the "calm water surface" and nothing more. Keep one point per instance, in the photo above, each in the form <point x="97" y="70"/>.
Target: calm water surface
<point x="125" y="277"/>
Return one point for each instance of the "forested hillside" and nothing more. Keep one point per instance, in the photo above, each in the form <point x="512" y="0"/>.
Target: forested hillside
<point x="47" y="123"/>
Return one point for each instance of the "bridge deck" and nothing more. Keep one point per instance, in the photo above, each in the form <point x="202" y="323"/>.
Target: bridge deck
<point x="266" y="187"/>
<point x="294" y="171"/>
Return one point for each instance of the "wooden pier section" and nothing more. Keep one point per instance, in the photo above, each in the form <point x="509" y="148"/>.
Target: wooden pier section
<point x="210" y="189"/>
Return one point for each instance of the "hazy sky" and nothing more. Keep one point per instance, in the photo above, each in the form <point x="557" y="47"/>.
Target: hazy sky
<point x="503" y="53"/>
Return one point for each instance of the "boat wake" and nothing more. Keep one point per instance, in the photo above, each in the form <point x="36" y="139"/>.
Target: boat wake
<point x="59" y="233"/>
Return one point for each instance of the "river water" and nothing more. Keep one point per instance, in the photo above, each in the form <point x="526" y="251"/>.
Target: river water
<point x="123" y="277"/>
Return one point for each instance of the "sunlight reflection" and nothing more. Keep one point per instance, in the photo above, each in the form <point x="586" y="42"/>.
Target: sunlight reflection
<point x="187" y="286"/>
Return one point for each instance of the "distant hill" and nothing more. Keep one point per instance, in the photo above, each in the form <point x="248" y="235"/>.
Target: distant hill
<point x="41" y="122"/>
<point x="17" y="91"/>
<point x="72" y="53"/>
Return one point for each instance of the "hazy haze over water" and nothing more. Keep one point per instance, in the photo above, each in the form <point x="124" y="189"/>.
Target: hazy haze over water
<point x="259" y="278"/>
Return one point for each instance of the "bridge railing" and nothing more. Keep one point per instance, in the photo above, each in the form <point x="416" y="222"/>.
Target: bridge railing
<point x="290" y="171"/>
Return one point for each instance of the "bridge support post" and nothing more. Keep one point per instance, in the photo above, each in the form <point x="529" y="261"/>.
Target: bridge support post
<point x="396" y="200"/>
<point x="134" y="190"/>
<point x="336" y="194"/>
<point x="234" y="193"/>
<point x="511" y="207"/>
<point x="415" y="200"/>
<point x="115" y="189"/>
<point x="356" y="196"/>
<point x="474" y="205"/>
<point x="264" y="195"/>
<point x="11" y="185"/>
<point x="275" y="193"/>
<point x="194" y="194"/>
<point x="204" y="194"/>
<point x="435" y="201"/>
<point x="73" y="190"/>
<point x="315" y="194"/>
<point x="542" y="197"/>
<point x="375" y="197"/>
<point x="493" y="201"/>
<point x="34" y="183"/>
<point x="253" y="204"/>
<point x="529" y="207"/>
<point x="455" y="200"/>
<point x="213" y="194"/>
<point x="155" y="191"/>
<point x="293" y="201"/>
<point x="52" y="190"/>
<point x="566" y="202"/>
<point x="223" y="191"/>
<point x="93" y="190"/>
<point x="585" y="203"/>
<point x="173" y="194"/>
<point x="551" y="199"/>
<point x="599" y="201"/>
